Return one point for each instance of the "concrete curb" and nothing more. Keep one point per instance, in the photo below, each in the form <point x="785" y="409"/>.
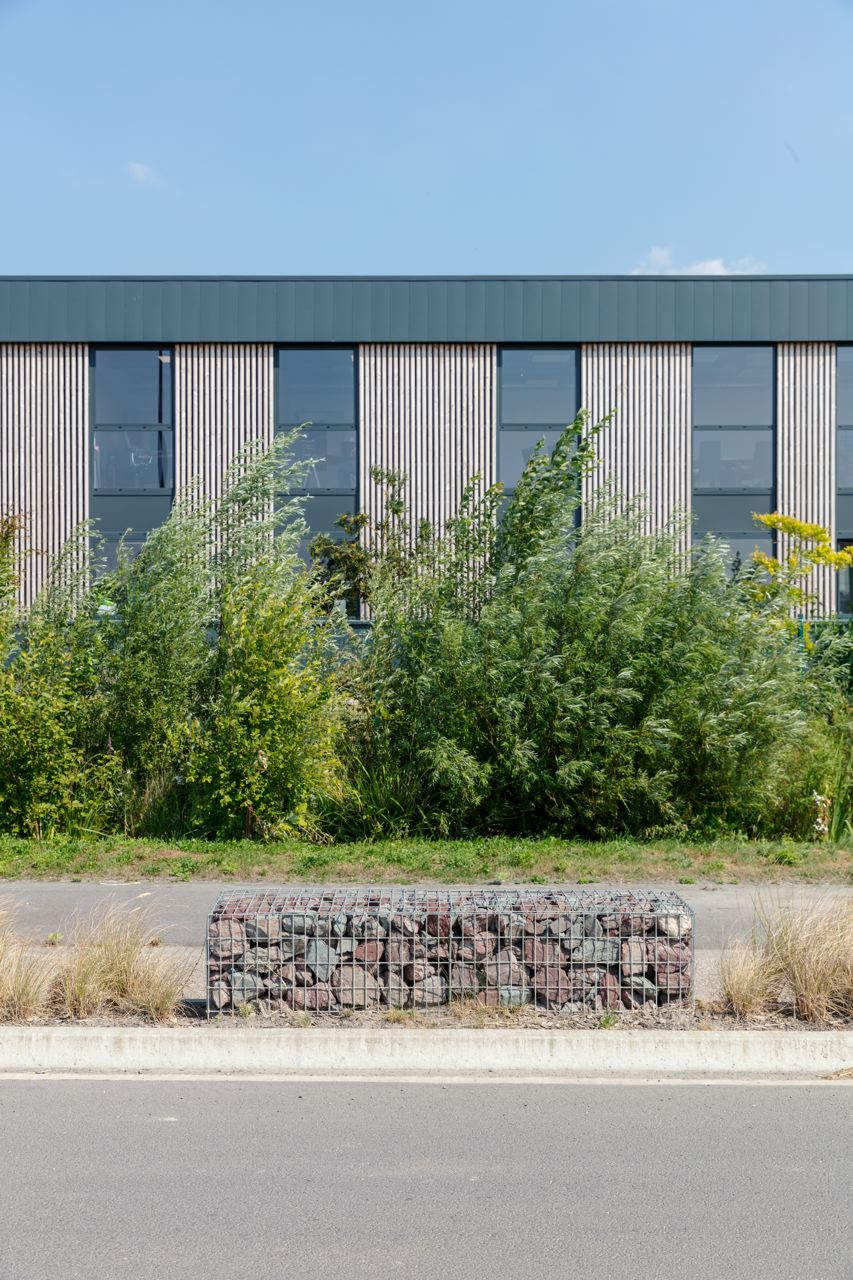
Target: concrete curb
<point x="114" y="1050"/>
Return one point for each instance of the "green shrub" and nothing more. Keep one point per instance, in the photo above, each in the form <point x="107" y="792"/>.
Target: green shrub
<point x="146" y="699"/>
<point x="42" y="768"/>
<point x="263" y="749"/>
<point x="523" y="674"/>
<point x="587" y="680"/>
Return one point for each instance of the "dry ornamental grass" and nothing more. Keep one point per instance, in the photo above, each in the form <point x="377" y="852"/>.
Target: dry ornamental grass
<point x="22" y="979"/>
<point x="109" y="967"/>
<point x="799" y="959"/>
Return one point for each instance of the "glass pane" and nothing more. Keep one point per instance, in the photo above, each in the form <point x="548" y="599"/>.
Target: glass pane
<point x="335" y="452"/>
<point x="516" y="448"/>
<point x="316" y="384"/>
<point x="322" y="512"/>
<point x="742" y="548"/>
<point x="538" y="387"/>
<point x="133" y="460"/>
<point x="110" y="548"/>
<point x="731" y="513"/>
<point x="320" y="515"/>
<point x="733" y="459"/>
<point x="133" y="387"/>
<point x="845" y="584"/>
<point x="844" y="459"/>
<point x="844" y="386"/>
<point x="844" y="514"/>
<point x="733" y="386"/>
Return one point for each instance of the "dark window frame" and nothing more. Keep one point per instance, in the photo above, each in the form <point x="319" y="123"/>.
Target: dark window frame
<point x="536" y="429"/>
<point x="165" y="423"/>
<point x="839" y="347"/>
<point x="844" y="534"/>
<point x="770" y="496"/>
<point x="95" y="426"/>
<point x="135" y="536"/>
<point x="282" y="425"/>
<point x="844" y="490"/>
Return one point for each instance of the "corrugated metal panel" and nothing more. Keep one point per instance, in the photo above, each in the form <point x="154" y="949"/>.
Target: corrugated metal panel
<point x="423" y="309"/>
<point x="429" y="411"/>
<point x="646" y="449"/>
<point x="805" y="447"/>
<point x="44" y="449"/>
<point x="223" y="399"/>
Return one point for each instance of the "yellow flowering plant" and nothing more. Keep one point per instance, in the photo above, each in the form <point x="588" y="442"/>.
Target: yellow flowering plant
<point x="808" y="546"/>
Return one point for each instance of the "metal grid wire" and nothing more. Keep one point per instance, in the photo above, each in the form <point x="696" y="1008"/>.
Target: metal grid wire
<point x="330" y="949"/>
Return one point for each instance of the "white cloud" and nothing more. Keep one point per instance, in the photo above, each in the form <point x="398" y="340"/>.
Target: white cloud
<point x="659" y="262"/>
<point x="144" y="174"/>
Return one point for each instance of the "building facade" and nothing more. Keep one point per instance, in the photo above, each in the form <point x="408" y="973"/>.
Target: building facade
<point x="733" y="395"/>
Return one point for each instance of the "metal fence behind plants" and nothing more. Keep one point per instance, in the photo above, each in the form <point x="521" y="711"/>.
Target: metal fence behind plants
<point x="335" y="949"/>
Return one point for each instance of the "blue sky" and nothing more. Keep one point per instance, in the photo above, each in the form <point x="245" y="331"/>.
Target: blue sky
<point x="447" y="136"/>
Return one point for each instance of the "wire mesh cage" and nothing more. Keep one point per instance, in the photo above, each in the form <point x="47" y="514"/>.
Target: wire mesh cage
<point x="331" y="949"/>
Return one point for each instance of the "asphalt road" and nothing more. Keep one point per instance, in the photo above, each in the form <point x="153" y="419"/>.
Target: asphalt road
<point x="231" y="1180"/>
<point x="180" y="910"/>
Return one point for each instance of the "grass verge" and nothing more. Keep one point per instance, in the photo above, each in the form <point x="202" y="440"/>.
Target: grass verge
<point x="500" y="858"/>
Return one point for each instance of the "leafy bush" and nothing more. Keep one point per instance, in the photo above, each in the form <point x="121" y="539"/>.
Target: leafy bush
<point x="263" y="748"/>
<point x="41" y="765"/>
<point x="524" y="673"/>
<point x="146" y="699"/>
<point x="585" y="680"/>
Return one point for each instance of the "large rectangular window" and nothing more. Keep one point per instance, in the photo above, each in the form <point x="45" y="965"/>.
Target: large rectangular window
<point x="734" y="444"/>
<point x="132" y="469"/>
<point x="316" y="390"/>
<point x="537" y="400"/>
<point x="844" y="469"/>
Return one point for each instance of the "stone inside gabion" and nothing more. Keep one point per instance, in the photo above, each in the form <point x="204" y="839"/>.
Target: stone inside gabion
<point x="328" y="950"/>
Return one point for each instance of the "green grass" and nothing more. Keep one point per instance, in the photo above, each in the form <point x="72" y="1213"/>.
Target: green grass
<point x="500" y="858"/>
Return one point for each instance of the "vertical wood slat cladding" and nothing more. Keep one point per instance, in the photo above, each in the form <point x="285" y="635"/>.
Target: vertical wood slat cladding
<point x="805" y="447"/>
<point x="647" y="447"/>
<point x="44" y="449"/>
<point x="429" y="411"/>
<point x="223" y="399"/>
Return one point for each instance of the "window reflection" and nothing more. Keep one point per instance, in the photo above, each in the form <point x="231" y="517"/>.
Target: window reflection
<point x="732" y="386"/>
<point x="538" y="387"/>
<point x="741" y="549"/>
<point x="517" y="448"/>
<point x="844" y="458"/>
<point x="734" y="444"/>
<point x="132" y="386"/>
<point x="110" y="547"/>
<point x="317" y="385"/>
<point x="128" y="460"/>
<point x="334" y="459"/>
<point x="845" y="582"/>
<point x="844" y="386"/>
<point x="733" y="460"/>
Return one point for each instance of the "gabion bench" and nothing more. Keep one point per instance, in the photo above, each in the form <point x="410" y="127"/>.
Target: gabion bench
<point x="331" y="949"/>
